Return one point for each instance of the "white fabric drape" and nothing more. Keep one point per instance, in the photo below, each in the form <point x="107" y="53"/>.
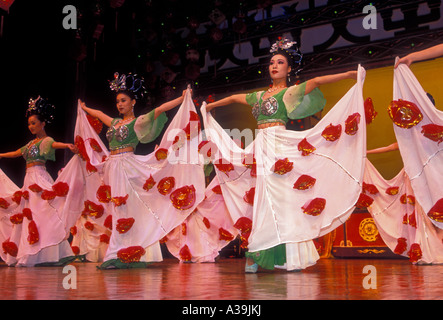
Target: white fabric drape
<point x="277" y="215"/>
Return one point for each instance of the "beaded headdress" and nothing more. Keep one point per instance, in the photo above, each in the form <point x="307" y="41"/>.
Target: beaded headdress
<point x="41" y="107"/>
<point x="289" y="49"/>
<point x="130" y="83"/>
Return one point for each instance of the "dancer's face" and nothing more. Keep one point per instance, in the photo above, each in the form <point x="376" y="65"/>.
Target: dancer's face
<point x="35" y="125"/>
<point x="125" y="104"/>
<point x="279" y="67"/>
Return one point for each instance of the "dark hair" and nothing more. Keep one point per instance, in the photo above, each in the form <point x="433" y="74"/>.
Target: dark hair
<point x="42" y="109"/>
<point x="128" y="93"/>
<point x="290" y="51"/>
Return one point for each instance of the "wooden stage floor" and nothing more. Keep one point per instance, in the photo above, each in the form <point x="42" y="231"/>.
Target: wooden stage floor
<point x="330" y="279"/>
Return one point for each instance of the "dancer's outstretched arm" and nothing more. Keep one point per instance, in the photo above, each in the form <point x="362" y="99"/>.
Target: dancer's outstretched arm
<point x="391" y="147"/>
<point x="96" y="114"/>
<point x="318" y="81"/>
<point x="169" y="105"/>
<point x="430" y="53"/>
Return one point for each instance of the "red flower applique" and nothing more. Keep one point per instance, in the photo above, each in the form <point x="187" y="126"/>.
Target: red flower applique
<point x="364" y="201"/>
<point x="183" y="198"/>
<point x="332" y="133"/>
<point x="404" y="114"/>
<point x="166" y="185"/>
<point x="108" y="222"/>
<point x="370" y="188"/>
<point x="95" y="123"/>
<point x="33" y="235"/>
<point x="35" y="188"/>
<point x="249" y="196"/>
<point x="124" y="224"/>
<point x="304" y="182"/>
<point x="161" y="154"/>
<point x="370" y="112"/>
<point x="27" y="213"/>
<point x="305" y="147"/>
<point x="225" y="235"/>
<point x="392" y="191"/>
<point x="131" y="254"/>
<point x="4" y="204"/>
<point x="10" y="248"/>
<point x="119" y="201"/>
<point x="48" y="195"/>
<point x="206" y="223"/>
<point x="436" y="212"/>
<point x="433" y="132"/>
<point x="104" y="193"/>
<point x="415" y="253"/>
<point x="16" y="218"/>
<point x="401" y="246"/>
<point x="185" y="253"/>
<point x="104" y="238"/>
<point x="314" y="207"/>
<point x="93" y="209"/>
<point x="61" y="189"/>
<point x="149" y="184"/>
<point x="224" y="166"/>
<point x="283" y="166"/>
<point x="95" y="145"/>
<point x="351" y="124"/>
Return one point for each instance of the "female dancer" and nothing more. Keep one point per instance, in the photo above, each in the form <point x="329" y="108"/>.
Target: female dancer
<point x="141" y="216"/>
<point x="38" y="235"/>
<point x="271" y="242"/>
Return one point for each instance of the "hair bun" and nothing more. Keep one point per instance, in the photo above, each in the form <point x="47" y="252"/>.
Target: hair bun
<point x="42" y="108"/>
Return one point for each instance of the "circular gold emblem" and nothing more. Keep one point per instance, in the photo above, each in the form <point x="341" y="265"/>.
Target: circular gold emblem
<point x="368" y="230"/>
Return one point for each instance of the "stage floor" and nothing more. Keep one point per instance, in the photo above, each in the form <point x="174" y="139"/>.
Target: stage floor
<point x="330" y="279"/>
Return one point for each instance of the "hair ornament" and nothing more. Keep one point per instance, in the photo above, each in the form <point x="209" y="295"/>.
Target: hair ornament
<point x="42" y="108"/>
<point x="288" y="48"/>
<point x="131" y="83"/>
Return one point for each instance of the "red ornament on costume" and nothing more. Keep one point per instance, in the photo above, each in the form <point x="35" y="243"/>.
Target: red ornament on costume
<point x="61" y="189"/>
<point x="183" y="198"/>
<point x="415" y="253"/>
<point x="149" y="184"/>
<point x="332" y="133"/>
<point x="401" y="246"/>
<point x="27" y="213"/>
<point x="17" y="197"/>
<point x="370" y="188"/>
<point x="185" y="253"/>
<point x="351" y="124"/>
<point x="392" y="191"/>
<point x="119" y="201"/>
<point x="10" y="248"/>
<point x="48" y="195"/>
<point x="33" y="235"/>
<point x="131" y="254"/>
<point x="436" y="212"/>
<point x="93" y="209"/>
<point x="314" y="207"/>
<point x="89" y="226"/>
<point x="16" y="218"/>
<point x="217" y="190"/>
<point x="224" y="166"/>
<point x="194" y="121"/>
<point x="249" y="196"/>
<point x="95" y="123"/>
<point x="282" y="166"/>
<point x="104" y="238"/>
<point x="104" y="193"/>
<point x="364" y="201"/>
<point x="35" y="188"/>
<point x="124" y="224"/>
<point x="305" y="147"/>
<point x="95" y="145"/>
<point x="433" y="132"/>
<point x="161" y="154"/>
<point x="370" y="112"/>
<point x="404" y="114"/>
<point x="108" y="222"/>
<point x="225" y="235"/>
<point x="304" y="182"/>
<point x="75" y="250"/>
<point x="166" y="185"/>
<point x="206" y="223"/>
<point x="407" y="199"/>
<point x="4" y="204"/>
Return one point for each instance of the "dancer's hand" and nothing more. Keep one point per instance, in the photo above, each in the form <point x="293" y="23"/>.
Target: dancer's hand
<point x="406" y="60"/>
